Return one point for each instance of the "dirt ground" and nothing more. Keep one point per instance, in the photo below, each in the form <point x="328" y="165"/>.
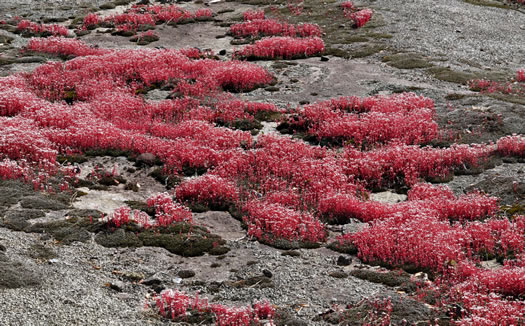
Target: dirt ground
<point x="46" y="279"/>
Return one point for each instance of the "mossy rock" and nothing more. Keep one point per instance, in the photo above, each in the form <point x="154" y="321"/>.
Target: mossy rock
<point x="73" y="159"/>
<point x="285" y="244"/>
<point x="219" y="250"/>
<point x="119" y="238"/>
<point x="367" y="50"/>
<point x="397" y="278"/>
<point x="251" y="282"/>
<point x="407" y="61"/>
<point x="11" y="191"/>
<point x="107" y="5"/>
<point x="181" y="239"/>
<point x="449" y="75"/>
<point x="42" y="202"/>
<point x="454" y="96"/>
<point x="67" y="231"/>
<point x="168" y="180"/>
<point x="349" y="249"/>
<point x="17" y="220"/>
<point x="405" y="311"/>
<point x="113" y="152"/>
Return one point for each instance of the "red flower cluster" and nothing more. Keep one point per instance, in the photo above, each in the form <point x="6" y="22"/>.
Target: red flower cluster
<point x="253" y="15"/>
<point x="513" y="87"/>
<point x="272" y="27"/>
<point x="489" y="297"/>
<point x="63" y="46"/>
<point x="208" y="189"/>
<point x="359" y="16"/>
<point x="405" y="164"/>
<point x="405" y="118"/>
<point x="511" y="146"/>
<point x="282" y="47"/>
<point x="140" y="16"/>
<point x="270" y="221"/>
<point x="167" y="211"/>
<point x="41" y="29"/>
<point x="520" y="75"/>
<point x="176" y="305"/>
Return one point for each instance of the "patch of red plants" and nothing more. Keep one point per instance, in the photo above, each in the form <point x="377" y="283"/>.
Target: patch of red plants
<point x="178" y="306"/>
<point x="282" y="47"/>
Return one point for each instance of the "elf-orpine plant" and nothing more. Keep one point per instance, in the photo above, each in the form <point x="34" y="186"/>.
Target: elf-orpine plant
<point x="63" y="46"/>
<point x="282" y="47"/>
<point x="167" y="211"/>
<point x="361" y="17"/>
<point x="253" y="15"/>
<point x="178" y="306"/>
<point x="272" y="27"/>
<point x="210" y="190"/>
<point x="511" y="146"/>
<point x="41" y="29"/>
<point x="520" y="75"/>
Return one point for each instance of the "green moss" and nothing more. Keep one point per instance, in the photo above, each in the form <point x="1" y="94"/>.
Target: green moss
<point x="379" y="35"/>
<point x="407" y="61"/>
<point x="6" y="61"/>
<point x="67" y="231"/>
<point x="516" y="99"/>
<point x="168" y="180"/>
<point x="73" y="159"/>
<point x="454" y="97"/>
<point x="251" y="282"/>
<point x="338" y="52"/>
<point x="514" y="210"/>
<point x="107" y="5"/>
<point x="181" y="239"/>
<point x="42" y="202"/>
<point x="397" y="278"/>
<point x="449" y="75"/>
<point x="113" y="152"/>
<point x="349" y="249"/>
<point x="122" y="2"/>
<point x="367" y="50"/>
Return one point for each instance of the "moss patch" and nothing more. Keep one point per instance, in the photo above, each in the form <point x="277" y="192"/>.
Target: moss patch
<point x="42" y="202"/>
<point x="181" y="239"/>
<point x="349" y="249"/>
<point x="367" y="50"/>
<point x="407" y="61"/>
<point x="397" y="278"/>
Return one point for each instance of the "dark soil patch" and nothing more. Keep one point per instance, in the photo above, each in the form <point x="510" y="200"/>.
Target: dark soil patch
<point x="41" y="252"/>
<point x="15" y="275"/>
